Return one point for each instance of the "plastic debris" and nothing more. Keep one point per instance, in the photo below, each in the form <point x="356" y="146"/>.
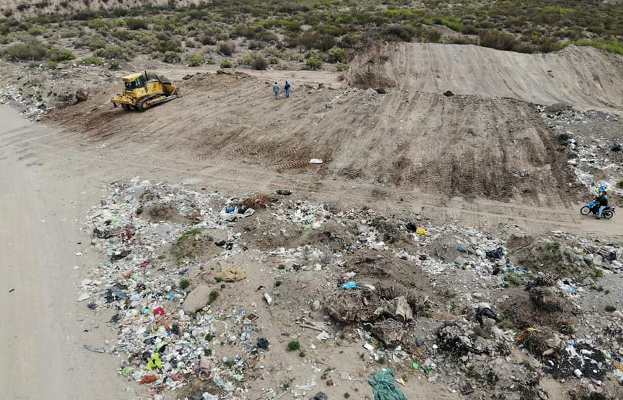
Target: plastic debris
<point x="384" y="386"/>
<point x="350" y="285"/>
<point x="155" y="362"/>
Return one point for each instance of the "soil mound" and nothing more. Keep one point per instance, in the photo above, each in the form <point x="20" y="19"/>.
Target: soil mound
<point x="456" y="146"/>
<point x="581" y="76"/>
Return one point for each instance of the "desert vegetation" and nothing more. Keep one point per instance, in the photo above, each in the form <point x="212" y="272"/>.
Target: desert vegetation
<point x="311" y="33"/>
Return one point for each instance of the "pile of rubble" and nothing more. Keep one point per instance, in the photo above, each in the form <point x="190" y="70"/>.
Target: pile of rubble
<point x="593" y="142"/>
<point x="191" y="278"/>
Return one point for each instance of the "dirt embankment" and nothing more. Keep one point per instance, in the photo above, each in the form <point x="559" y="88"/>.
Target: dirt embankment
<point x="584" y="77"/>
<point x="456" y="146"/>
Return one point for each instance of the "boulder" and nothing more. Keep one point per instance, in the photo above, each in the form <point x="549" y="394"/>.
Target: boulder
<point x="197" y="299"/>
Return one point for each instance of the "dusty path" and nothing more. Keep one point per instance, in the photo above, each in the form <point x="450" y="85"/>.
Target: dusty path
<point x="44" y="329"/>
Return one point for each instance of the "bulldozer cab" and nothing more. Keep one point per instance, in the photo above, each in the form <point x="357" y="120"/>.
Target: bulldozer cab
<point x="134" y="81"/>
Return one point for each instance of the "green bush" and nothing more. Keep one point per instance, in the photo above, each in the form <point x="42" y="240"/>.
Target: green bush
<point x="612" y="46"/>
<point x="196" y="60"/>
<point x="226" y="64"/>
<point x="227" y="48"/>
<point x="31" y="51"/>
<point x="453" y="23"/>
<point x="398" y="32"/>
<point x="36" y="30"/>
<point x="59" y="55"/>
<point x="136" y="23"/>
<point x="207" y="39"/>
<point x="93" y="42"/>
<point x="91" y="60"/>
<point x="314" y="62"/>
<point x="315" y="40"/>
<point x="169" y="45"/>
<point x="112" y="53"/>
<point x="341" y="67"/>
<point x="337" y="55"/>
<point x="498" y="40"/>
<point x="172" y="57"/>
<point x="259" y="63"/>
<point x="114" y="65"/>
<point x="294" y="345"/>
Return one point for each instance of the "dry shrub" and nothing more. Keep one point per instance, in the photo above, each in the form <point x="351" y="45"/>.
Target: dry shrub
<point x="371" y="73"/>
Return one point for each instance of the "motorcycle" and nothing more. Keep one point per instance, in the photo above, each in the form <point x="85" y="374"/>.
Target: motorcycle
<point x="593" y="208"/>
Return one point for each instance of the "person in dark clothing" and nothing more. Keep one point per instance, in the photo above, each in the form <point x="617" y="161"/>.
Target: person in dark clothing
<point x="287" y="88"/>
<point x="602" y="202"/>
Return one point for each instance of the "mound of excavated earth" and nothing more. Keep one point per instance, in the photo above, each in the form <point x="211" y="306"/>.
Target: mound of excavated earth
<point x="581" y="76"/>
<point x="458" y="146"/>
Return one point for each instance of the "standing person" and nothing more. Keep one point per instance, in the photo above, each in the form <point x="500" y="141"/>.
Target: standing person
<point x="287" y="88"/>
<point x="276" y="89"/>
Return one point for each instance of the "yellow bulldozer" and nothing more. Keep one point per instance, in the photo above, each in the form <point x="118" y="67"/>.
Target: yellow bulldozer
<point x="144" y="90"/>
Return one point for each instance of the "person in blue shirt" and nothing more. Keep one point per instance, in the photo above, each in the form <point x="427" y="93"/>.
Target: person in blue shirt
<point x="276" y="89"/>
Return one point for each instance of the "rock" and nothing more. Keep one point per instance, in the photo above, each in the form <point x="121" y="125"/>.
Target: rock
<point x="197" y="299"/>
<point x="81" y="95"/>
<point x="120" y="254"/>
<point x="284" y="192"/>
<point x="381" y="90"/>
<point x="448" y="93"/>
<point x="208" y="396"/>
<point x="616" y="147"/>
<point x="389" y="331"/>
<point x="315" y="305"/>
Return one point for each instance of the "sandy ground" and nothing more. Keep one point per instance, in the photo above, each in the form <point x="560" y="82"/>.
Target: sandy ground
<point x="584" y="77"/>
<point x="44" y="329"/>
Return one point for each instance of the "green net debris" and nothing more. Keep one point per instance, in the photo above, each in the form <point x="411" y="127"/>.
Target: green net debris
<point x="384" y="386"/>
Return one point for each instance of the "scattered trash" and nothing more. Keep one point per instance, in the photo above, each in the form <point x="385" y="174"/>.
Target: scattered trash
<point x="262" y="343"/>
<point x="350" y="285"/>
<point x="268" y="298"/>
<point x="384" y="386"/>
<point x="315" y="161"/>
<point x="11" y="290"/>
<point x="496" y="254"/>
<point x="420" y="231"/>
<point x="319" y="396"/>
<point x="147" y="379"/>
<point x="155" y="362"/>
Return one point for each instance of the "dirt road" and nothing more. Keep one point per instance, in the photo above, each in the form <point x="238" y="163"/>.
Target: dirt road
<point x="44" y="329"/>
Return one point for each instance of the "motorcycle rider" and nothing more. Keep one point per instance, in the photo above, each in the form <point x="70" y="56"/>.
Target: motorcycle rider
<point x="602" y="202"/>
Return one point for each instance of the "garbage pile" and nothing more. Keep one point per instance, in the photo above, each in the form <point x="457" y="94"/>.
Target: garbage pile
<point x="32" y="108"/>
<point x="203" y="287"/>
<point x="593" y="143"/>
